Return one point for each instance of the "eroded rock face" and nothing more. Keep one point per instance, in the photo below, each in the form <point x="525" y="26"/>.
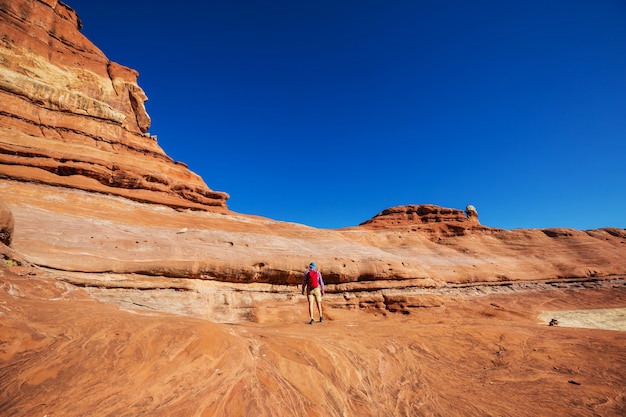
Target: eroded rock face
<point x="73" y="230"/>
<point x="6" y="224"/>
<point x="70" y="117"/>
<point x="415" y="214"/>
<point x="438" y="221"/>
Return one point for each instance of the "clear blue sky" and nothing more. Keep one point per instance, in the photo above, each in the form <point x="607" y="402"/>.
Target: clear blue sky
<point x="327" y="112"/>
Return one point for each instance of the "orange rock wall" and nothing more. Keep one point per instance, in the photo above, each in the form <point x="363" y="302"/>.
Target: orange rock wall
<point x="72" y="118"/>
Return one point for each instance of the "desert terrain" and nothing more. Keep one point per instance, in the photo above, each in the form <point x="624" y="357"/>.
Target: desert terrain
<point x="129" y="288"/>
<point x="470" y="353"/>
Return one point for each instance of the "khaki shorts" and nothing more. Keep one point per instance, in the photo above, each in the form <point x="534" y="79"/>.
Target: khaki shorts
<point x="315" y="294"/>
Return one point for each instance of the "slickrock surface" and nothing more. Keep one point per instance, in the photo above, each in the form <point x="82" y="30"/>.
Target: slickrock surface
<point x="63" y="353"/>
<point x="125" y="246"/>
<point x="128" y="288"/>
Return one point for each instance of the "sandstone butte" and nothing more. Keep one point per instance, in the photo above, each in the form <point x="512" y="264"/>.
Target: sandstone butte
<point x="128" y="288"/>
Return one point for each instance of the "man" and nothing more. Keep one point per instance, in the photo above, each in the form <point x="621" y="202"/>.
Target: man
<point x="314" y="286"/>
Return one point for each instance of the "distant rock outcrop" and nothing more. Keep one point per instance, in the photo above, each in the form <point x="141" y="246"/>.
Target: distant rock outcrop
<point x="439" y="221"/>
<point x="415" y="214"/>
<point x="70" y="117"/>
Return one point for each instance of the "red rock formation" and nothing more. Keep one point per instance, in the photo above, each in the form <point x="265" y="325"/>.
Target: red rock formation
<point x="438" y="221"/>
<point x="428" y="312"/>
<point x="415" y="214"/>
<point x="72" y="118"/>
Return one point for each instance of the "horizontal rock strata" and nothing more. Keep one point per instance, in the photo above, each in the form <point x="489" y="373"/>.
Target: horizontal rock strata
<point x="69" y="117"/>
<point x="119" y="247"/>
<point x="89" y="193"/>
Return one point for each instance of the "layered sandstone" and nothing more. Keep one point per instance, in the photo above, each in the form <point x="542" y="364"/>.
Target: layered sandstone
<point x="90" y="192"/>
<point x="117" y="248"/>
<point x="435" y="220"/>
<point x="72" y="118"/>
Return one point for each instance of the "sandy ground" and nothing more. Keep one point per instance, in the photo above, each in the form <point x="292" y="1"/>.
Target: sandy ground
<point x="607" y="319"/>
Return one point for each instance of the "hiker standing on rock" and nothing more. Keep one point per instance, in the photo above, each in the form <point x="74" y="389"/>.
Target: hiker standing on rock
<point x="313" y="284"/>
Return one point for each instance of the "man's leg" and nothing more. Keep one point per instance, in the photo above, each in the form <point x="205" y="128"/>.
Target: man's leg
<point x="319" y="308"/>
<point x="311" y="301"/>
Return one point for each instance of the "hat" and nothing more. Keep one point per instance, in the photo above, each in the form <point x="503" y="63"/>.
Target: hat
<point x="312" y="265"/>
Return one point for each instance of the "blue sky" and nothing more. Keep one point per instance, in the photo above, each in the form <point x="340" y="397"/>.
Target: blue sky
<point x="325" y="113"/>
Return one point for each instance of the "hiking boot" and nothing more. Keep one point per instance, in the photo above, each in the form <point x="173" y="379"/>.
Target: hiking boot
<point x="321" y="319"/>
<point x="312" y="321"/>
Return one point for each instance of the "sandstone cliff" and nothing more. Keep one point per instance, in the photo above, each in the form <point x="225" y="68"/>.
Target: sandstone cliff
<point x="72" y="118"/>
